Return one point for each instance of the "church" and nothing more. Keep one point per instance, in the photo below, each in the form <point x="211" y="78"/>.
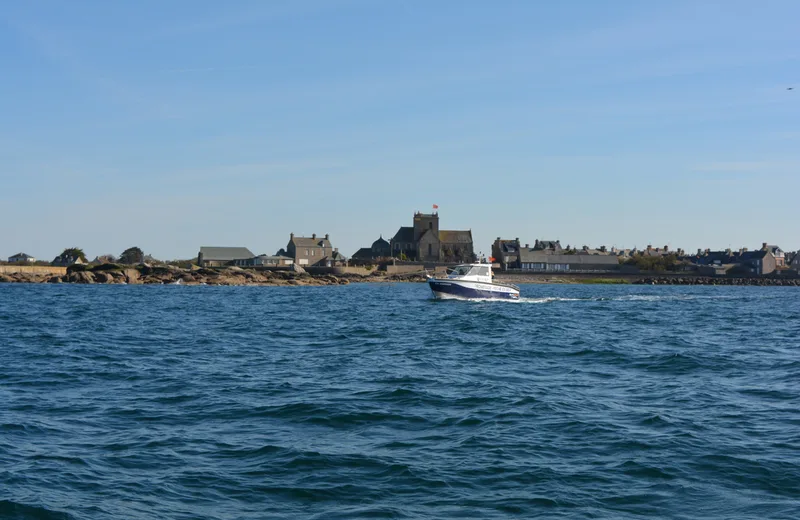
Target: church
<point x="425" y="242"/>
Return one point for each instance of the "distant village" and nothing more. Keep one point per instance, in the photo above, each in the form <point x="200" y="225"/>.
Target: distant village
<point x="424" y="245"/>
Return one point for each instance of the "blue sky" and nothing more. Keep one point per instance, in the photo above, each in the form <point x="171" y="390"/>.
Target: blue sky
<point x="171" y="125"/>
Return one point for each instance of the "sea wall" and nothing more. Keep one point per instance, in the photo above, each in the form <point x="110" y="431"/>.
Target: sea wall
<point x="33" y="269"/>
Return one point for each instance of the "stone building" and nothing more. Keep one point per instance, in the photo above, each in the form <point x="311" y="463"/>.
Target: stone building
<point x="312" y="251"/>
<point x="220" y="256"/>
<point x="425" y="242"/>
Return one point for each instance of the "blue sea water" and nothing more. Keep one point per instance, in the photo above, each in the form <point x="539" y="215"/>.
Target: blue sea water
<point x="373" y="401"/>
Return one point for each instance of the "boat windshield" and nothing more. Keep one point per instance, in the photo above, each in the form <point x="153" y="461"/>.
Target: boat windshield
<point x="461" y="270"/>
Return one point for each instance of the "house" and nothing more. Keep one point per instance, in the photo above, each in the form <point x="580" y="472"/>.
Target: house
<point x="379" y="249"/>
<point x="425" y="242"/>
<point x="312" y="251"/>
<point x="67" y="260"/>
<point x="777" y="252"/>
<point x="21" y="257"/>
<point x="506" y="253"/>
<point x="546" y="260"/>
<point x="756" y="263"/>
<point x="796" y="261"/>
<point x="219" y="256"/>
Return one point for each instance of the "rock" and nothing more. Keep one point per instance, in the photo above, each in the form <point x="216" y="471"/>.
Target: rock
<point x="54" y="279"/>
<point x="297" y="269"/>
<point x="103" y="277"/>
<point x="132" y="276"/>
<point x="81" y="277"/>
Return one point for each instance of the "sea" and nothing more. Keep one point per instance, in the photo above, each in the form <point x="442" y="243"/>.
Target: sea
<point x="375" y="401"/>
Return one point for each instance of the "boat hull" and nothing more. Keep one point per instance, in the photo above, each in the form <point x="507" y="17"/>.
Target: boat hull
<point x="467" y="290"/>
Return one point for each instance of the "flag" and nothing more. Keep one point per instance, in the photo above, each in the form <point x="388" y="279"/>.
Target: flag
<point x="435" y="206"/>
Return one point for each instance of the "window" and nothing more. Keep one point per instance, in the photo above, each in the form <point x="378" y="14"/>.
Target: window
<point x="312" y="252"/>
<point x="430" y="250"/>
<point x="306" y="252"/>
<point x="430" y="225"/>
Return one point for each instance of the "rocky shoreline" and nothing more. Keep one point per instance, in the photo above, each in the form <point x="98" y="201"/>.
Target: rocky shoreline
<point x="759" y="282"/>
<point x="169" y="275"/>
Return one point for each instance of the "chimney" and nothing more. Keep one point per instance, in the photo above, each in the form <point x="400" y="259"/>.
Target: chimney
<point x="314" y="236"/>
<point x="291" y="235"/>
<point x="536" y="244"/>
<point x="764" y="246"/>
<point x="328" y="237"/>
<point x="745" y="249"/>
<point x="527" y="246"/>
<point x="666" y="248"/>
<point x="498" y="238"/>
<point x="649" y="247"/>
<point x="699" y="252"/>
<point x="602" y="249"/>
<point x="728" y="251"/>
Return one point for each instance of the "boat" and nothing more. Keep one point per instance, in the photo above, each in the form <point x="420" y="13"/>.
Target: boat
<point x="472" y="281"/>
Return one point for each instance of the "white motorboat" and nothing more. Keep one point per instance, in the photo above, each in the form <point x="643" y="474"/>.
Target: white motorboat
<point x="472" y="281"/>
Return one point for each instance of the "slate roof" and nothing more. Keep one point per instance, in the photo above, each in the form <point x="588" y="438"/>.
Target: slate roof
<point x="21" y="255"/>
<point x="548" y="244"/>
<point x="310" y="242"/>
<point x="509" y="246"/>
<point x="225" y="254"/>
<point x="404" y="234"/>
<point x="380" y="243"/>
<point x="455" y="237"/>
<point x="364" y="252"/>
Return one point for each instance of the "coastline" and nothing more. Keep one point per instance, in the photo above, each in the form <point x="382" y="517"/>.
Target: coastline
<point x="169" y="275"/>
<point x="236" y="276"/>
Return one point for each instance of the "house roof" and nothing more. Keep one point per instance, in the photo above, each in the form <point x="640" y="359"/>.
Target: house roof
<point x="380" y="243"/>
<point x="364" y="252"/>
<point x="404" y="234"/>
<point x="455" y="237"/>
<point x="225" y="253"/>
<point x="310" y="241"/>
<point x="21" y="255"/>
<point x="548" y="244"/>
<point x="536" y="256"/>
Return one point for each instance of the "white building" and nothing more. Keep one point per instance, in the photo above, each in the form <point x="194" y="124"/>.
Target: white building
<point x="21" y="257"/>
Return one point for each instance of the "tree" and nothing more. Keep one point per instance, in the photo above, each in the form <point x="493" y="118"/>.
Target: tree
<point x="132" y="255"/>
<point x="74" y="252"/>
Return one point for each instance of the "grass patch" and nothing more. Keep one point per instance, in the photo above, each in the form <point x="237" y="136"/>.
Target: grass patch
<point x="604" y="281"/>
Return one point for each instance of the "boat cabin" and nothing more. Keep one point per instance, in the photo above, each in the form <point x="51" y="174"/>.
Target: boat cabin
<point x="473" y="272"/>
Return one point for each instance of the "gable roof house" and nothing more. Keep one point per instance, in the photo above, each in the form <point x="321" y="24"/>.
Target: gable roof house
<point x="777" y="252"/>
<point x="67" y="260"/>
<point x="21" y="257"/>
<point x="506" y="253"/>
<point x="756" y="263"/>
<point x="219" y="256"/>
<point x="313" y="251"/>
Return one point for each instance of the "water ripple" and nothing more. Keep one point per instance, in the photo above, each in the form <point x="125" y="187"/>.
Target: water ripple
<point x="373" y="401"/>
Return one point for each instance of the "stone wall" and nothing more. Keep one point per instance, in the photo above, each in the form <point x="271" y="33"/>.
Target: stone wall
<point x="33" y="269"/>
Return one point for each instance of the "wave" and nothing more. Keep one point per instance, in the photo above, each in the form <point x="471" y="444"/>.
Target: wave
<point x="16" y="511"/>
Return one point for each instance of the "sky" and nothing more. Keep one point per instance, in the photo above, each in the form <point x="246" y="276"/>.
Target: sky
<point x="175" y="125"/>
